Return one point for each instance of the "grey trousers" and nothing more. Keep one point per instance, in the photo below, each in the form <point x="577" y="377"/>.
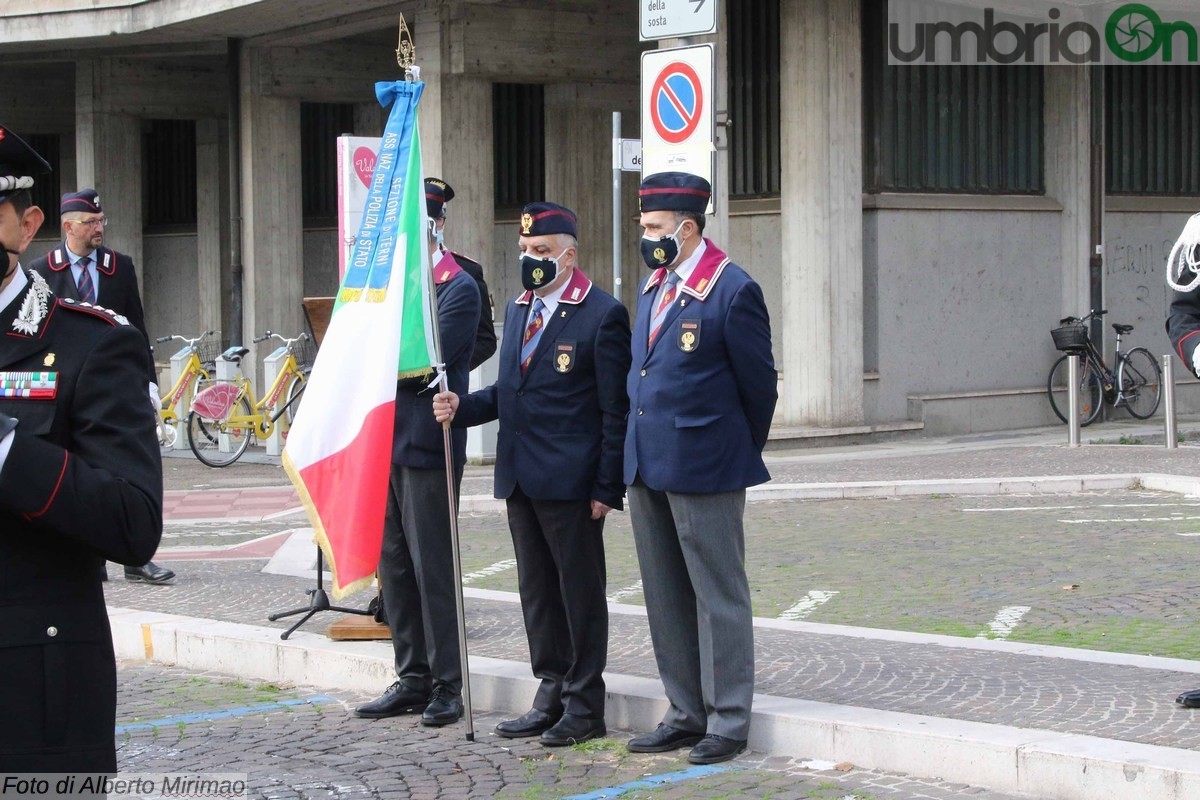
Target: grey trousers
<point x="416" y="577"/>
<point x="691" y="550"/>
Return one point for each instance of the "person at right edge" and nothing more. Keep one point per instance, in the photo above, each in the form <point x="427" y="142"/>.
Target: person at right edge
<point x="702" y="391"/>
<point x="80" y="482"/>
<point x="1183" y="326"/>
<point x="416" y="564"/>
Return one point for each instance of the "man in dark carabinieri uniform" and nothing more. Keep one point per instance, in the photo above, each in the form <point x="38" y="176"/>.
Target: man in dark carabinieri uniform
<point x="80" y="482"/>
<point x="81" y="268"/>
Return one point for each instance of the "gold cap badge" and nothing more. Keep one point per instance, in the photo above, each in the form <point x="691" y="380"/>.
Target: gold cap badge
<point x="526" y="224"/>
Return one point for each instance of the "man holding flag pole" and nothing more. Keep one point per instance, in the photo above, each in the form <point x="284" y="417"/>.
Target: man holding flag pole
<point x="372" y="467"/>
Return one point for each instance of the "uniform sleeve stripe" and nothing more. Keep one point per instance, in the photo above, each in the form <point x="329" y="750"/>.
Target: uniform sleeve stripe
<point x="1179" y="346"/>
<point x="53" y="494"/>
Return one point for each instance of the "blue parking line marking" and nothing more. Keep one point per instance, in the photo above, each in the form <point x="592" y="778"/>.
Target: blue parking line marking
<point x="242" y="711"/>
<point x="649" y="783"/>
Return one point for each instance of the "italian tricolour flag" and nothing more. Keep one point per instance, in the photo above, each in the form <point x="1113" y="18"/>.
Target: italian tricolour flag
<point x="339" y="449"/>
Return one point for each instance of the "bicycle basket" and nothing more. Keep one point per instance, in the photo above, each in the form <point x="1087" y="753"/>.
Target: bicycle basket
<point x="208" y="350"/>
<point x="1071" y="338"/>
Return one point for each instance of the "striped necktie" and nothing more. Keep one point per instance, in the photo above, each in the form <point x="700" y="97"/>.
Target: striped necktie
<point x="664" y="305"/>
<point x="87" y="289"/>
<point x="533" y="332"/>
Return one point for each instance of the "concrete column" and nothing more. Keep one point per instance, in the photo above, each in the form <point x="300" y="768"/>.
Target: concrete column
<point x="578" y="135"/>
<point x="212" y="219"/>
<point x="108" y="153"/>
<point x="272" y="242"/>
<point x="455" y="118"/>
<point x="1068" y="165"/>
<point x="821" y="127"/>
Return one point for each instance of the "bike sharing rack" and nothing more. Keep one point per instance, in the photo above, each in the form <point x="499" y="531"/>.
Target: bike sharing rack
<point x="1168" y="389"/>
<point x="184" y="405"/>
<point x="272" y="366"/>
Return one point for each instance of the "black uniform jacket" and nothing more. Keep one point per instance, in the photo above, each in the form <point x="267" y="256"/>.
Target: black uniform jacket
<point x="81" y="484"/>
<point x="485" y="335"/>
<point x="1183" y="326"/>
<point x="117" y="288"/>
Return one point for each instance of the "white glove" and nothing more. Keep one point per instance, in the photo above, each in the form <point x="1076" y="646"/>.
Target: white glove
<point x="155" y="403"/>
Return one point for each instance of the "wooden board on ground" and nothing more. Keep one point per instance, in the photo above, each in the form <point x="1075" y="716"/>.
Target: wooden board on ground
<point x="358" y="628"/>
<point x="318" y="311"/>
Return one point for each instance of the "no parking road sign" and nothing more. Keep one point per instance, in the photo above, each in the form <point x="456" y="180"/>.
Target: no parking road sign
<point x="677" y="117"/>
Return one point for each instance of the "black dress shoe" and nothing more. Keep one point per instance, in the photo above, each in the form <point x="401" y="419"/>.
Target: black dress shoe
<point x="713" y="749"/>
<point x="398" y="699"/>
<point x="445" y="706"/>
<point x="573" y="730"/>
<point x="662" y="739"/>
<point x="532" y="723"/>
<point x="150" y="573"/>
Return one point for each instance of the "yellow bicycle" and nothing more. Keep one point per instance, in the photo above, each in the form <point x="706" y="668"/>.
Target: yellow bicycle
<point x="225" y="415"/>
<point x="194" y="371"/>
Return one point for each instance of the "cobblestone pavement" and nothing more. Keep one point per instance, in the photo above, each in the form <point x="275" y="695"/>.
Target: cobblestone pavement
<point x="297" y="743"/>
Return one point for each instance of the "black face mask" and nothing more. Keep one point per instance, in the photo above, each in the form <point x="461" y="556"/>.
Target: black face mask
<point x="662" y="252"/>
<point x="537" y="273"/>
<point x="10" y="268"/>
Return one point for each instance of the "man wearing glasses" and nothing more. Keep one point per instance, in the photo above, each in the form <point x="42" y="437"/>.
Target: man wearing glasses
<point x="81" y="268"/>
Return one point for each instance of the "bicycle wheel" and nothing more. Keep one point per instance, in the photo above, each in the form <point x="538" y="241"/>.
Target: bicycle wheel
<point x="1091" y="391"/>
<point x="205" y="436"/>
<point x="1140" y="379"/>
<point x="291" y="397"/>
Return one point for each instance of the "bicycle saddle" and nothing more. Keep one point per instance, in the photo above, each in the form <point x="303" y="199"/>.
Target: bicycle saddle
<point x="234" y="354"/>
<point x="1122" y="329"/>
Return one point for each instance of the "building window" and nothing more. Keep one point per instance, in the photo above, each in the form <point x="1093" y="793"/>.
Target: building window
<point x="754" y="160"/>
<point x="519" y="143"/>
<point x="169" y="174"/>
<point x="320" y="125"/>
<point x="45" y="191"/>
<point x="974" y="129"/>
<point x="1152" y="125"/>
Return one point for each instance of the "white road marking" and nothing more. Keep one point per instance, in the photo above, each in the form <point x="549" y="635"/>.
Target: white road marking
<point x="499" y="566"/>
<point x="1177" y="518"/>
<point x="815" y="599"/>
<point x="1006" y="620"/>
<point x="628" y="591"/>
<point x="1074" y="508"/>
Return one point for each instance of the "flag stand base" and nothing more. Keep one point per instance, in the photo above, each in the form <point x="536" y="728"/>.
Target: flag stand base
<point x="318" y="600"/>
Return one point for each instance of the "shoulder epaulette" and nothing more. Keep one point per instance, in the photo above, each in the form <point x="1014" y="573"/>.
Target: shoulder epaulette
<point x="100" y="312"/>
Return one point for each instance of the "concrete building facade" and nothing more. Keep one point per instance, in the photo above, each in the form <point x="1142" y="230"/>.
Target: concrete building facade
<point x="916" y="238"/>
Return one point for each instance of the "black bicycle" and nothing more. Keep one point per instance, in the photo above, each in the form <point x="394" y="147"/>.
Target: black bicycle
<point x="1136" y="383"/>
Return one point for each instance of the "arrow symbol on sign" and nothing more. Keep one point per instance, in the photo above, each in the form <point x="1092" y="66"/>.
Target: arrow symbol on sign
<point x="699" y="5"/>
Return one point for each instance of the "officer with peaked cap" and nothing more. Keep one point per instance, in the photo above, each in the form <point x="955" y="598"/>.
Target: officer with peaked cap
<point x="702" y="390"/>
<point x="416" y="565"/>
<point x="80" y="482"/>
<point x="561" y="402"/>
<point x="438" y="195"/>
<point x="82" y="268"/>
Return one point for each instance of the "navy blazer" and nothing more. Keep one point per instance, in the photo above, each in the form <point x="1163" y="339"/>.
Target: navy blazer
<point x="701" y="399"/>
<point x="116" y="289"/>
<point x="418" y="440"/>
<point x="562" y="423"/>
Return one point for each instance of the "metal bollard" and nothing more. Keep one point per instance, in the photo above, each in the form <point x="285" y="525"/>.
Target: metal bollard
<point x="1168" y="388"/>
<point x="1073" y="401"/>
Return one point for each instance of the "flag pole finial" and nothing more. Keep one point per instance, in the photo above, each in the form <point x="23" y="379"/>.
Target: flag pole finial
<point x="406" y="52"/>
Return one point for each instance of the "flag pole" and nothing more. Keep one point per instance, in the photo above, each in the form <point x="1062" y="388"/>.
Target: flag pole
<point x="406" y="58"/>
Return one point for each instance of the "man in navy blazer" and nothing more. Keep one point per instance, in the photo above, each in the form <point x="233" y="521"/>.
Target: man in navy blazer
<point x="702" y="391"/>
<point x="416" y="564"/>
<point x="81" y="268"/>
<point x="561" y="404"/>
